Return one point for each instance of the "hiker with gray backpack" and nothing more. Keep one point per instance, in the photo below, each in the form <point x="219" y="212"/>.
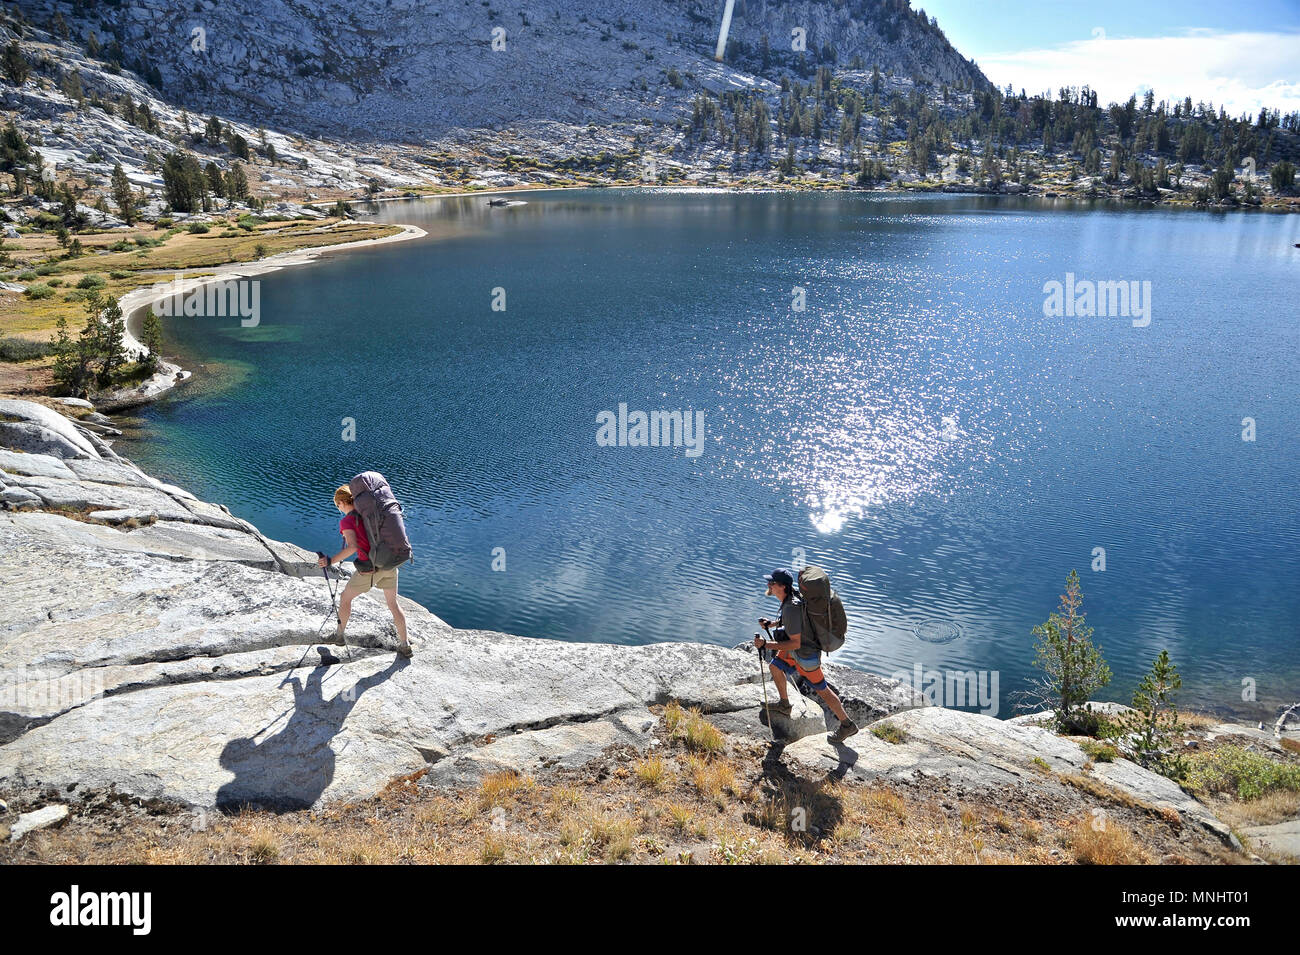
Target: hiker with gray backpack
<point x="811" y="622"/>
<point x="373" y="530"/>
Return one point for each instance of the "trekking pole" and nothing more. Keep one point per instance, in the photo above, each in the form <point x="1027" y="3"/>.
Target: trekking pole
<point x="335" y="604"/>
<point x="762" y="675"/>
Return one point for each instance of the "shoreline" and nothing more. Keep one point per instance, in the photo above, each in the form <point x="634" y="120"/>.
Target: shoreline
<point x="136" y="303"/>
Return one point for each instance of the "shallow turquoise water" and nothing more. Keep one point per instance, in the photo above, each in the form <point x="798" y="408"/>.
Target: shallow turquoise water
<point x="921" y="429"/>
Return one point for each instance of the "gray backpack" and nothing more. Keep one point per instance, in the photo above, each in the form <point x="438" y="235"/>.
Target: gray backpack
<point x="825" y="623"/>
<point x="381" y="516"/>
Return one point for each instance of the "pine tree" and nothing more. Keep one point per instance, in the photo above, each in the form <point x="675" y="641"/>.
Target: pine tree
<point x="106" y="329"/>
<point x="1072" y="664"/>
<point x="212" y="130"/>
<point x="122" y="194"/>
<point x="184" y="185"/>
<point x="1151" y="727"/>
<point x="1282" y="176"/>
<point x="216" y="180"/>
<point x="16" y="67"/>
<point x="237" y="183"/>
<point x="152" y="337"/>
<point x="74" y="358"/>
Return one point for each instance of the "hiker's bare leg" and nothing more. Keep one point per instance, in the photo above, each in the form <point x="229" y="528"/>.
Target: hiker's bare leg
<point x="345" y="610"/>
<point x="399" y="618"/>
<point x="778" y="680"/>
<point x="830" y="699"/>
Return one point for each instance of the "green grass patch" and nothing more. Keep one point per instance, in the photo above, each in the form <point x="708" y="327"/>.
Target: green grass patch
<point x="1245" y="773"/>
<point x="1099" y="752"/>
<point x="888" y="732"/>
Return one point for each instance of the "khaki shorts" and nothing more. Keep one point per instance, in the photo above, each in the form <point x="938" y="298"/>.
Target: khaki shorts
<point x="362" y="581"/>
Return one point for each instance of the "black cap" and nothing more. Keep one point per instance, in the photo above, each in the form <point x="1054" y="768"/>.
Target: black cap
<point x="780" y="576"/>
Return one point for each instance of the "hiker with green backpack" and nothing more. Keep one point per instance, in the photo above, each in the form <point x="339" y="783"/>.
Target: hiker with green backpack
<point x="373" y="530"/>
<point x="805" y="628"/>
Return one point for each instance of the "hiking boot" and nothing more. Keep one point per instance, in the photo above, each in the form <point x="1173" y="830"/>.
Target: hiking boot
<point x="781" y="706"/>
<point x="847" y="729"/>
<point x="337" y="640"/>
<point x="404" y="650"/>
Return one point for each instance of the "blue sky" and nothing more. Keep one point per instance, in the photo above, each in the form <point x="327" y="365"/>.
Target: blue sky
<point x="1242" y="55"/>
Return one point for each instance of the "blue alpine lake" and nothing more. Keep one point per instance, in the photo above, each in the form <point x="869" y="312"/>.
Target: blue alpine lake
<point x="884" y="387"/>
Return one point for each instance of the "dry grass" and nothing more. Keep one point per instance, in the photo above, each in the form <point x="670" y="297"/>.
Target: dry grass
<point x="1269" y="809"/>
<point x="1197" y="721"/>
<point x="1099" y="840"/>
<point x="145" y="265"/>
<point x="697" y="733"/>
<point x="653" y="772"/>
<point x="500" y="789"/>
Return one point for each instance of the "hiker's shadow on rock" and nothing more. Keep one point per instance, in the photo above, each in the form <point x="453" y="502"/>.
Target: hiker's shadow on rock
<point x="293" y="767"/>
<point x="810" y="809"/>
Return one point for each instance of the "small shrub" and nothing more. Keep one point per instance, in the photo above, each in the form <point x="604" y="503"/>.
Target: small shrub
<point x="119" y="274"/>
<point x="20" y="349"/>
<point x="1099" y="752"/>
<point x="1246" y="774"/>
<point x="92" y="281"/>
<point x="198" y="228"/>
<point x="888" y="732"/>
<point x="39" y="291"/>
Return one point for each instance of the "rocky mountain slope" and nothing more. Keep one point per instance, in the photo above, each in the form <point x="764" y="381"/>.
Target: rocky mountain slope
<point x="409" y="70"/>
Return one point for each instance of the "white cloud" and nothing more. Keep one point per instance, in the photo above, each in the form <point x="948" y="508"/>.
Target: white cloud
<point x="1240" y="71"/>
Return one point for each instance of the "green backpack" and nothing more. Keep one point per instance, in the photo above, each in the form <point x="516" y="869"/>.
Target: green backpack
<point x="825" y="623"/>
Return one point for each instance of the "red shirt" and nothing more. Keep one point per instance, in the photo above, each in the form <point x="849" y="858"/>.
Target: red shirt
<point x="352" y="522"/>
